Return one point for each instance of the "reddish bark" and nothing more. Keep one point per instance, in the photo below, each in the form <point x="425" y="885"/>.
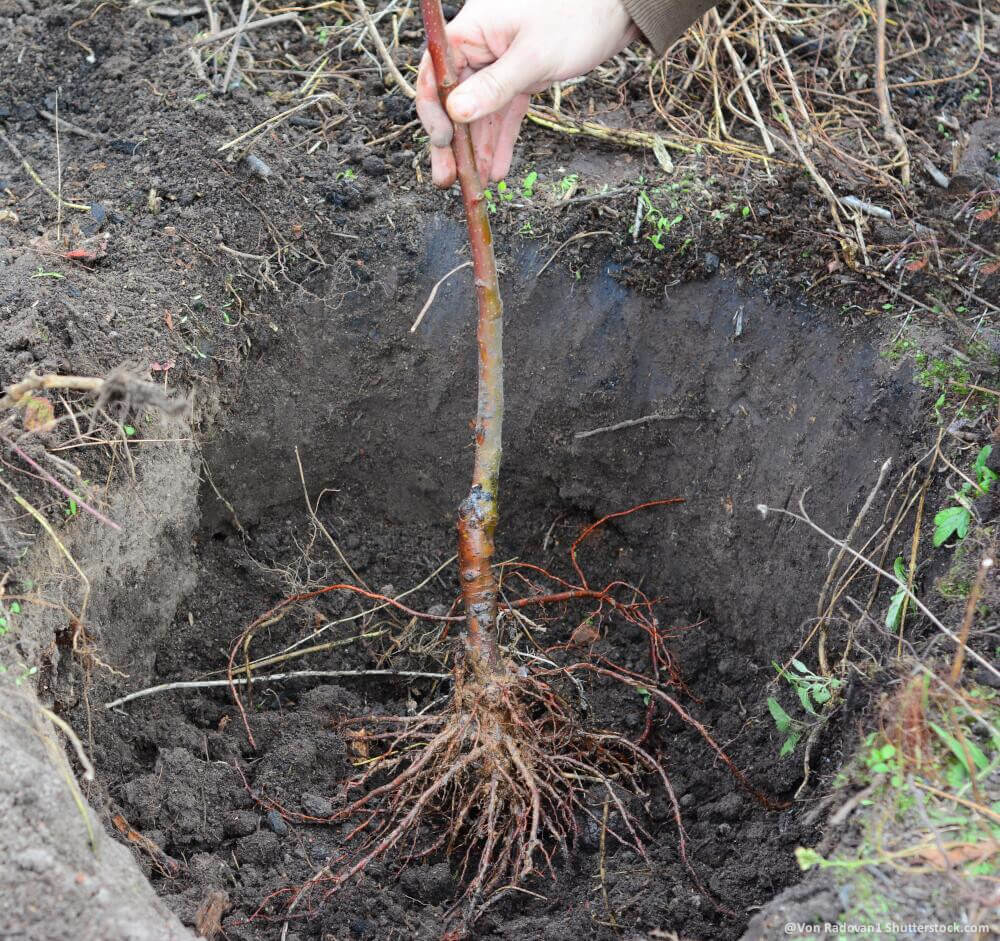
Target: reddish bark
<point x="477" y="515"/>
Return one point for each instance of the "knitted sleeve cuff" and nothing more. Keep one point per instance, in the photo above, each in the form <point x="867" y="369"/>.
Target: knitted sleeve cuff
<point x="662" y="21"/>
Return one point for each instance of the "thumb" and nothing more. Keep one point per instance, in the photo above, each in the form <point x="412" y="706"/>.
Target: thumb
<point x="490" y="89"/>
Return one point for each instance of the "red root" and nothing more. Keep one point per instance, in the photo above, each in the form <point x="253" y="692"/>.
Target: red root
<point x="503" y="777"/>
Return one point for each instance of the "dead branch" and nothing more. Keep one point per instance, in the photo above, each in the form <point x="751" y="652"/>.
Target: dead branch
<point x="889" y="128"/>
<point x="119" y="384"/>
<point x="404" y="86"/>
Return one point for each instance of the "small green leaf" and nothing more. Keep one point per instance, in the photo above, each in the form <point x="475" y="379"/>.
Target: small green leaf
<point x="982" y="457"/>
<point x="801" y="667"/>
<point x="896" y="780"/>
<point x="955" y="746"/>
<point x="789" y="746"/>
<point x="807" y="858"/>
<point x="978" y="757"/>
<point x="895" y="612"/>
<point x="803" y="692"/>
<point x="130" y="429"/>
<point x="956" y="775"/>
<point x="899" y="568"/>
<point x="15" y="607"/>
<point x="953" y="520"/>
<point x="782" y="719"/>
<point x="887" y="751"/>
<point x="880" y="767"/>
<point x="819" y="693"/>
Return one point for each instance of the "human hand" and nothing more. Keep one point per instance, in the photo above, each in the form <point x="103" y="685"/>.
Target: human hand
<point x="503" y="53"/>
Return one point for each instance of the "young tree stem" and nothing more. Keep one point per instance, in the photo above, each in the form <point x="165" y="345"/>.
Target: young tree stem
<point x="477" y="514"/>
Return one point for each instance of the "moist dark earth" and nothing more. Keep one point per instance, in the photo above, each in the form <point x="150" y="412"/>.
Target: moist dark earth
<point x="300" y="340"/>
<point x="184" y="774"/>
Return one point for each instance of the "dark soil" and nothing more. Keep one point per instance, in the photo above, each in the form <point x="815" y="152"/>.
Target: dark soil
<point x="184" y="774"/>
<point x="763" y="396"/>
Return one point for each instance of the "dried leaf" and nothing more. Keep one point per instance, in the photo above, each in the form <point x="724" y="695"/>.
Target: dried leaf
<point x="584" y="635"/>
<point x="358" y="740"/>
<point x="208" y="918"/>
<point x="662" y="155"/>
<point x="916" y="265"/>
<point x="958" y="855"/>
<point x="39" y="415"/>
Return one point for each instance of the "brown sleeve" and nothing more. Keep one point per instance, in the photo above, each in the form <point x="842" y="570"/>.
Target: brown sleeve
<point x="662" y="21"/>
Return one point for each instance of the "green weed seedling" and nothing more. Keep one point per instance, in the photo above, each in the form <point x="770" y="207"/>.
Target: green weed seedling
<point x="935" y="373"/>
<point x="967" y="759"/>
<point x="883" y="759"/>
<point x="660" y="223"/>
<point x="528" y="184"/>
<point x="812" y="691"/>
<point x="23" y="673"/>
<point x="40" y="272"/>
<point x="6" y="614"/>
<point x="567" y="184"/>
<point x="792" y="729"/>
<point x="954" y="520"/>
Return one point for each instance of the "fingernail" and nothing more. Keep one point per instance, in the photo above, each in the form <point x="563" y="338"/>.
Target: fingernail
<point x="461" y="106"/>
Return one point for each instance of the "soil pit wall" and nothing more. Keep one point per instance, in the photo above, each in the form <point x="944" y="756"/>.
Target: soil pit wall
<point x="743" y="401"/>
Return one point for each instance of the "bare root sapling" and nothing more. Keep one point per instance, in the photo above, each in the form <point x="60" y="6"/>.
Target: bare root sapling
<point x="505" y="776"/>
